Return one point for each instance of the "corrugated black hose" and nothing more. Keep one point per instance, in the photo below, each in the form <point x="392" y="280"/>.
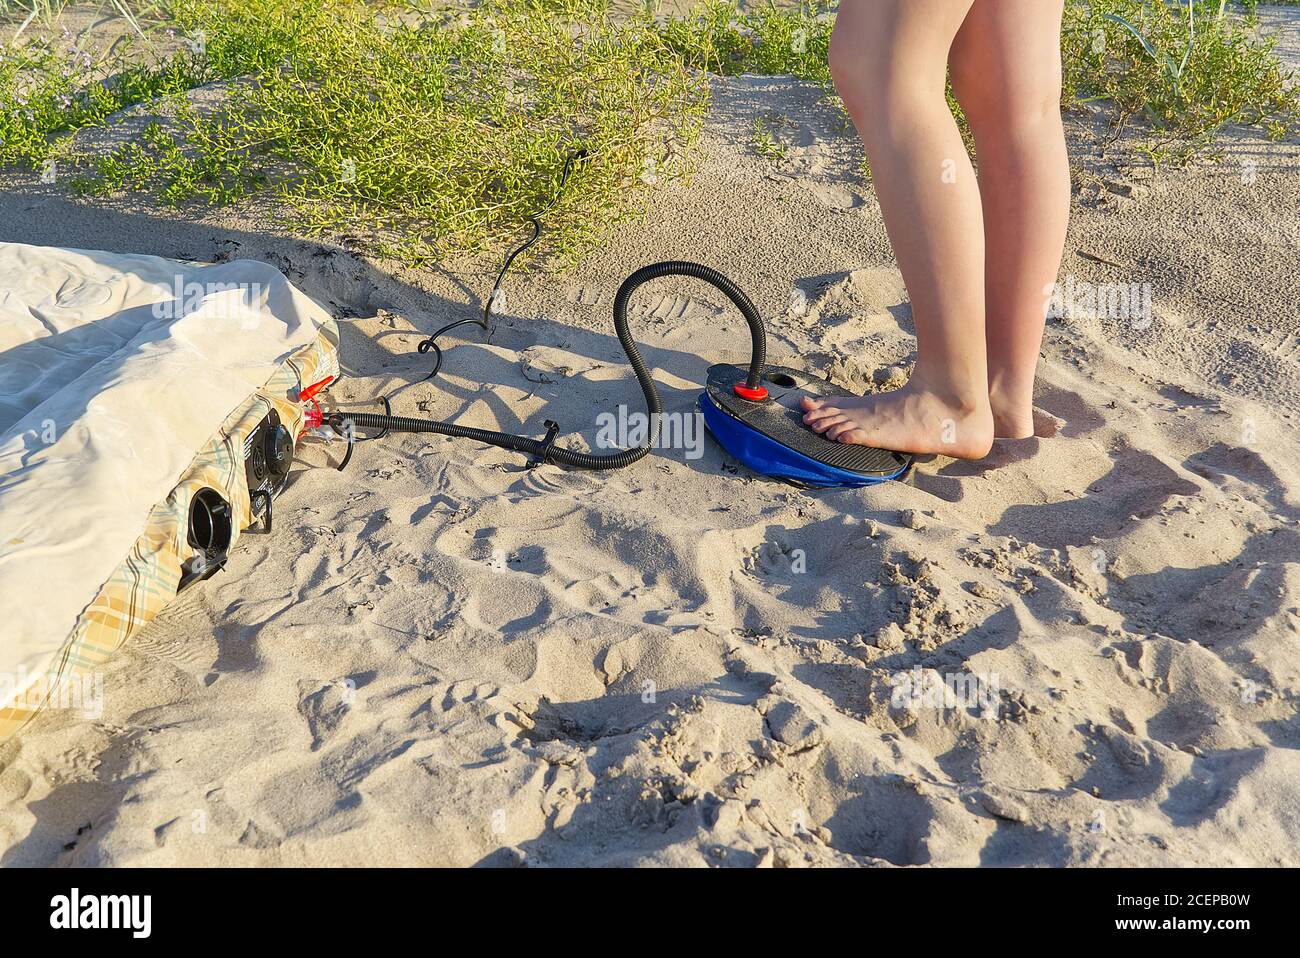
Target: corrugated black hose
<point x="545" y="450"/>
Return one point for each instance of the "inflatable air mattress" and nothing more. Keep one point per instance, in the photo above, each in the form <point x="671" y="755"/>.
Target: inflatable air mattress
<point x="137" y="395"/>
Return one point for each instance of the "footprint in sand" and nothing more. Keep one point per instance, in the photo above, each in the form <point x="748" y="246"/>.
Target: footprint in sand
<point x="1138" y="484"/>
<point x="664" y="308"/>
<point x="323" y="706"/>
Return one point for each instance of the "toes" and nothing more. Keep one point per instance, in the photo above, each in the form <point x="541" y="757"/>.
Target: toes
<point x="841" y="429"/>
<point x="822" y="412"/>
<point x="853" y="437"/>
<point x="809" y="403"/>
<point x="825" y="424"/>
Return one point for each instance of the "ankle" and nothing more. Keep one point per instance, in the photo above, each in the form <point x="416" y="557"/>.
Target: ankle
<point x="1013" y="410"/>
<point x="963" y="399"/>
<point x="1007" y="392"/>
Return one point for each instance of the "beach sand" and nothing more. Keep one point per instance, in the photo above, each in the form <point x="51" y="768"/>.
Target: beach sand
<point x="440" y="656"/>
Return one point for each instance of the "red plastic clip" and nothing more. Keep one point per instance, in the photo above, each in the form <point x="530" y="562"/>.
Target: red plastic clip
<point x="756" y="394"/>
<point x="314" y="416"/>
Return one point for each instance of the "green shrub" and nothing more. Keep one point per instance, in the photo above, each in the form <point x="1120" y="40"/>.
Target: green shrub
<point x="424" y="135"/>
<point x="1189" y="68"/>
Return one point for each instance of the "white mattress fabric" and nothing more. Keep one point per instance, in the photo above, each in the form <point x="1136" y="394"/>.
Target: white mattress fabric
<point x="114" y="370"/>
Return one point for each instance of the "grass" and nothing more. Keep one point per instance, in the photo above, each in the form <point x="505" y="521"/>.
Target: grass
<point x="766" y="139"/>
<point x="427" y="136"/>
<point x="1188" y="69"/>
<point x="719" y="38"/>
<point x="45" y="92"/>
<point x="45" y="13"/>
<point x="413" y="135"/>
<point x="426" y="131"/>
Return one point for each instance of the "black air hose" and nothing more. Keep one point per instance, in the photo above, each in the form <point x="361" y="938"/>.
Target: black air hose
<point x="545" y="450"/>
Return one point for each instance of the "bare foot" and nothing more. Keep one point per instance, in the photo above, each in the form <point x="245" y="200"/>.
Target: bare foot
<point x="1013" y="415"/>
<point x="909" y="419"/>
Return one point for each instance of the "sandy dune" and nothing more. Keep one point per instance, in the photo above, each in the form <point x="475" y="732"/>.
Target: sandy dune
<point x="442" y="657"/>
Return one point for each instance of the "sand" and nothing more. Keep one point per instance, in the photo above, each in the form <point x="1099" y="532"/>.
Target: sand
<point x="1081" y="651"/>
